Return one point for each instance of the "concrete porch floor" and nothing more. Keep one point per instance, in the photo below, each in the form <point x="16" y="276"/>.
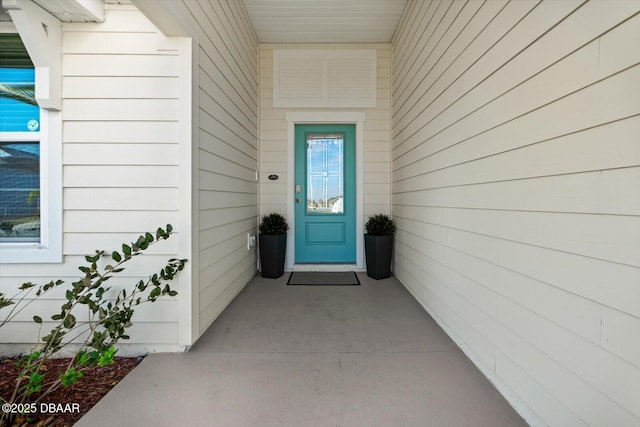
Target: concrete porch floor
<point x="311" y="356"/>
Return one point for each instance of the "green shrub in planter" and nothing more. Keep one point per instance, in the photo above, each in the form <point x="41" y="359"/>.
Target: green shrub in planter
<point x="380" y="225"/>
<point x="378" y="245"/>
<point x="273" y="224"/>
<point x="273" y="244"/>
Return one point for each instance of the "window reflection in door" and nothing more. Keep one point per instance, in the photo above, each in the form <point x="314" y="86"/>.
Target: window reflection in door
<point x="325" y="173"/>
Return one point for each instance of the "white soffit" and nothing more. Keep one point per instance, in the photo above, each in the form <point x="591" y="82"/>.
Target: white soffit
<point x="325" y="21"/>
<point x="65" y="10"/>
<point x="74" y="10"/>
<point x="68" y="10"/>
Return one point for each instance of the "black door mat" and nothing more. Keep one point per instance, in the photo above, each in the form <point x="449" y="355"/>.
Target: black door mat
<point x="323" y="278"/>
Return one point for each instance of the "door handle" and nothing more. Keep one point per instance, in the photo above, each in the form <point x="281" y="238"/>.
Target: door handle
<point x="297" y="200"/>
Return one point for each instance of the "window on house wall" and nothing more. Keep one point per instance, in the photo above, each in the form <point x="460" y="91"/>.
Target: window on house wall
<point x="30" y="161"/>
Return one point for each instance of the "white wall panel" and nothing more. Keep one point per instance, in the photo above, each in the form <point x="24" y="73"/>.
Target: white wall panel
<point x="120" y="109"/>
<point x="122" y="154"/>
<point x="146" y="176"/>
<point x="123" y="132"/>
<point x="515" y="182"/>
<point x="121" y="89"/>
<point x="226" y="115"/>
<point x="616" y="328"/>
<point x="13" y="275"/>
<point x="88" y="87"/>
<point x="115" y="221"/>
<point x="124" y="65"/>
<point x="85" y="243"/>
<point x="110" y="43"/>
<point x="131" y="199"/>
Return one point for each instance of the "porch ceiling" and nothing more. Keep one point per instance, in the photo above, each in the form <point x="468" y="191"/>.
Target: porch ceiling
<point x="325" y="21"/>
<point x="282" y="21"/>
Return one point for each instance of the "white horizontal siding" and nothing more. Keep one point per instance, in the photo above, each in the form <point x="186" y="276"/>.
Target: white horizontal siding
<point x="120" y="109"/>
<point x="122" y="132"/>
<point x="130" y="199"/>
<point x="143" y="313"/>
<point x="515" y="182"/>
<point x="227" y="143"/>
<point x="120" y="165"/>
<point x="542" y="157"/>
<point x="145" y="335"/>
<point x="88" y="42"/>
<point x="88" y="87"/>
<point x="13" y="275"/>
<point x="115" y="220"/>
<point x="129" y="154"/>
<point x="146" y="176"/>
<point x="85" y="243"/>
<point x="121" y="65"/>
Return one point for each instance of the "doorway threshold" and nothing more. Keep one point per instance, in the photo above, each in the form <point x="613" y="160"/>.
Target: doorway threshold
<point x="325" y="267"/>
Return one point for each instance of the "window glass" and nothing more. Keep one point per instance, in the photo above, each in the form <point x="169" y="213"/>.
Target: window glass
<point x="19" y="156"/>
<point x="325" y="173"/>
<point x="20" y="191"/>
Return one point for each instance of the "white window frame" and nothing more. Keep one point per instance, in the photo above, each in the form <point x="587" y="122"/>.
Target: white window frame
<point x="49" y="248"/>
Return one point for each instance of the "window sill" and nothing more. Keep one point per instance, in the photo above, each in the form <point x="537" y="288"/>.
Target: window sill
<point x="28" y="253"/>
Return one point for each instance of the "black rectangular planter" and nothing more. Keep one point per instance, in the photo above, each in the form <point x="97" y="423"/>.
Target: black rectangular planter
<point x="378" y="251"/>
<point x="272" y="251"/>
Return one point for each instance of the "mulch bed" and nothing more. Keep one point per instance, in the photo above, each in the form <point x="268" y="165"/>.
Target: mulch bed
<point x="86" y="392"/>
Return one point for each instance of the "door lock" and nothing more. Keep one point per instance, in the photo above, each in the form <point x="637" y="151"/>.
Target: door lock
<point x="298" y="189"/>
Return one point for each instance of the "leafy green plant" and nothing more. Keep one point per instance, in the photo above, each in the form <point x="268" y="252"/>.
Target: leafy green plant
<point x="380" y="225"/>
<point x="109" y="315"/>
<point x="273" y="224"/>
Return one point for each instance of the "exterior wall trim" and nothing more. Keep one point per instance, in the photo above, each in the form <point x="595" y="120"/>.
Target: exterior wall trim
<point x="41" y="33"/>
<point x="188" y="326"/>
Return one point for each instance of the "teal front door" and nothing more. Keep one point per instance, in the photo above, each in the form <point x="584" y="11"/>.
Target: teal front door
<point x="325" y="194"/>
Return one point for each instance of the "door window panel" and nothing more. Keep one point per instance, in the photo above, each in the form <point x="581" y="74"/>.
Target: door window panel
<point x="325" y="173"/>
